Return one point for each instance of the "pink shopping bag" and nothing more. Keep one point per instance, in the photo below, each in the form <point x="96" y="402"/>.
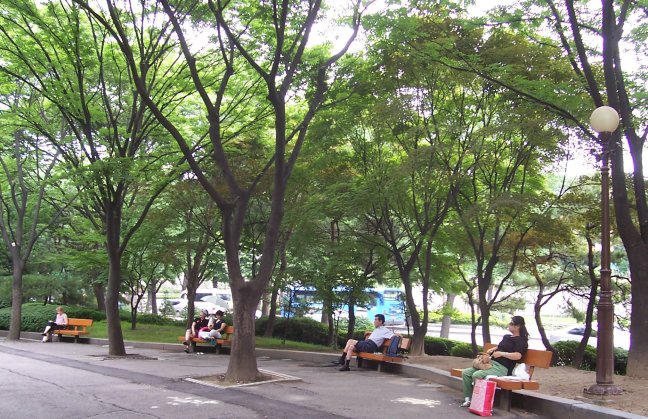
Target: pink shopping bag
<point x="482" y="398"/>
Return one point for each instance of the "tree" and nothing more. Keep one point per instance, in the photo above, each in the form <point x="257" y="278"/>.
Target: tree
<point x="27" y="167"/>
<point x="110" y="142"/>
<point x="591" y="42"/>
<point x="254" y="44"/>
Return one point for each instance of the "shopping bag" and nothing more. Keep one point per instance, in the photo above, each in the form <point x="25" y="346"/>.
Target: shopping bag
<point x="482" y="398"/>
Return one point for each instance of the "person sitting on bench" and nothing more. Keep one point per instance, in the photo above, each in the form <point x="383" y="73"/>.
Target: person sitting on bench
<point x="370" y="344"/>
<point x="503" y="357"/>
<point x="215" y="328"/>
<point x="60" y="323"/>
<point x="198" y="323"/>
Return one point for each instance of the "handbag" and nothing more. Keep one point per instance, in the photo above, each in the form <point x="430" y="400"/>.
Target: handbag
<point x="482" y="362"/>
<point x="482" y="399"/>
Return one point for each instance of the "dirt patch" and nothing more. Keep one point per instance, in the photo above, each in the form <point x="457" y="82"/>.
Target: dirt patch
<point x="566" y="382"/>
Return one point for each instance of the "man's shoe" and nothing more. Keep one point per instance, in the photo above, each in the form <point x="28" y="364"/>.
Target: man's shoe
<point x="186" y="350"/>
<point x="345" y="368"/>
<point x="466" y="403"/>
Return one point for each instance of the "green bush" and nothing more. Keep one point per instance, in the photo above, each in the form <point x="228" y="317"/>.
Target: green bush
<point x="36" y="315"/>
<point x="300" y="329"/>
<point x="438" y="346"/>
<point x="462" y="349"/>
<point x="620" y="361"/>
<point x="565" y="351"/>
<point x="147" y="318"/>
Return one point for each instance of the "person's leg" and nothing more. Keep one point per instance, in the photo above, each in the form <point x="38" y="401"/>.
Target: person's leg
<point x="348" y="349"/>
<point x="351" y="345"/>
<point x="48" y="328"/>
<point x="467" y="382"/>
<point x="186" y="341"/>
<point x="469" y="377"/>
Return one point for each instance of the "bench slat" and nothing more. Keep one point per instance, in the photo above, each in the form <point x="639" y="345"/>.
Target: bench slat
<point x="74" y="327"/>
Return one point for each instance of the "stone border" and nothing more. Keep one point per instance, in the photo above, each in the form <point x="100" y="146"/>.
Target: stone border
<point x="280" y="379"/>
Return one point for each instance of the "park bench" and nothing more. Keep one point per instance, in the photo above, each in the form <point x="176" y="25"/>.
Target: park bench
<point x="532" y="358"/>
<point x="381" y="356"/>
<point x="75" y="328"/>
<point x="225" y="340"/>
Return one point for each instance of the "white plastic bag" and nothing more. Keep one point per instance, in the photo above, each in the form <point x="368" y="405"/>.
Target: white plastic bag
<point x="520" y="371"/>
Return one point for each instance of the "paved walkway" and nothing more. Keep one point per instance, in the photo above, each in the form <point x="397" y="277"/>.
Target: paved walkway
<point x="67" y="380"/>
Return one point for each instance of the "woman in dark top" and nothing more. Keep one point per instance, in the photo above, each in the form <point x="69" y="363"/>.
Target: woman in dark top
<point x="503" y="357"/>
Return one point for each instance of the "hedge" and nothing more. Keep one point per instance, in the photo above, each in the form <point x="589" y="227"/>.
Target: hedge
<point x="34" y="316"/>
<point x="565" y="351"/>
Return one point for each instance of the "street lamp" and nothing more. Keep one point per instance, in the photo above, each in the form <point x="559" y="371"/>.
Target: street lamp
<point x="605" y="121"/>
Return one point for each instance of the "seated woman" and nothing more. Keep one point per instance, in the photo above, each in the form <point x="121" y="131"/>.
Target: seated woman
<point x="215" y="328"/>
<point x="503" y="357"/>
<point x="60" y="323"/>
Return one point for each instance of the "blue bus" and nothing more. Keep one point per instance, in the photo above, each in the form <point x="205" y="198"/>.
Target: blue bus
<point x="304" y="302"/>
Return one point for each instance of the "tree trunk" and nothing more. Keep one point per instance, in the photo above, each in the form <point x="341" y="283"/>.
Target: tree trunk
<point x="446" y="321"/>
<point x="484" y="311"/>
<point x="99" y="290"/>
<point x="243" y="365"/>
<point x="113" y="235"/>
<point x="133" y="319"/>
<point x="418" y="340"/>
<point x="537" y="307"/>
<point x="152" y="300"/>
<point x="272" y="314"/>
<point x="16" y="297"/>
<point x="352" y="319"/>
<point x="638" y="354"/>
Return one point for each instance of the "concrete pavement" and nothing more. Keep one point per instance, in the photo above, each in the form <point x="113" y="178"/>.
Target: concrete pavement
<point x="67" y="380"/>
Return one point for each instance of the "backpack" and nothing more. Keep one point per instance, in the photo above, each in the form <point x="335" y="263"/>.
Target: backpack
<point x="392" y="350"/>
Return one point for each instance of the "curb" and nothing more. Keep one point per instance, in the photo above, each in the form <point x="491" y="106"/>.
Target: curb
<point x="541" y="404"/>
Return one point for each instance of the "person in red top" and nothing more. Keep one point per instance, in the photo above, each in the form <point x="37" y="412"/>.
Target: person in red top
<point x="198" y="323"/>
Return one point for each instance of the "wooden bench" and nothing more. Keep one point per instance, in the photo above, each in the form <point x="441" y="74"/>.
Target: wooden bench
<point x="532" y="358"/>
<point x="225" y="340"/>
<point x="381" y="356"/>
<point x="75" y="328"/>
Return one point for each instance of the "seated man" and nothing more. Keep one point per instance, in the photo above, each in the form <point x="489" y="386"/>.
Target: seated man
<point x="198" y="323"/>
<point x="370" y="344"/>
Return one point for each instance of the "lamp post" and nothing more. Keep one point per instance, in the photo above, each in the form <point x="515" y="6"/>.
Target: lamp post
<point x="605" y="121"/>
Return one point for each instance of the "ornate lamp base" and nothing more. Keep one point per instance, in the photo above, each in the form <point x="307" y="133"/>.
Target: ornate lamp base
<point x="603" y="389"/>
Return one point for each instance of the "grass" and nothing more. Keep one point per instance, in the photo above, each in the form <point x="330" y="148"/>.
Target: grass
<point x="169" y="334"/>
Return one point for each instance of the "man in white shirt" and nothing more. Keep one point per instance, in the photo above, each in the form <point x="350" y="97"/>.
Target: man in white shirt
<point x="370" y="344"/>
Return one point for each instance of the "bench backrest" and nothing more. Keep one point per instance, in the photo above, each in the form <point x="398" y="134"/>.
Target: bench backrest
<point x="532" y="358"/>
<point x="229" y="330"/>
<point x="404" y="343"/>
<point x="79" y="324"/>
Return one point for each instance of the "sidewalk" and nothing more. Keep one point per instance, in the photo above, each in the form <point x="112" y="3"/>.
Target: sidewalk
<point x="67" y="380"/>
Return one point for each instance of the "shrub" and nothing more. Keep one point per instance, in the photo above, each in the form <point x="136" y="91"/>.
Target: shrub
<point x="620" y="361"/>
<point x="462" y="349"/>
<point x="36" y="315"/>
<point x="300" y="329"/>
<point x="565" y="351"/>
<point x="438" y="346"/>
<point x="147" y="318"/>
